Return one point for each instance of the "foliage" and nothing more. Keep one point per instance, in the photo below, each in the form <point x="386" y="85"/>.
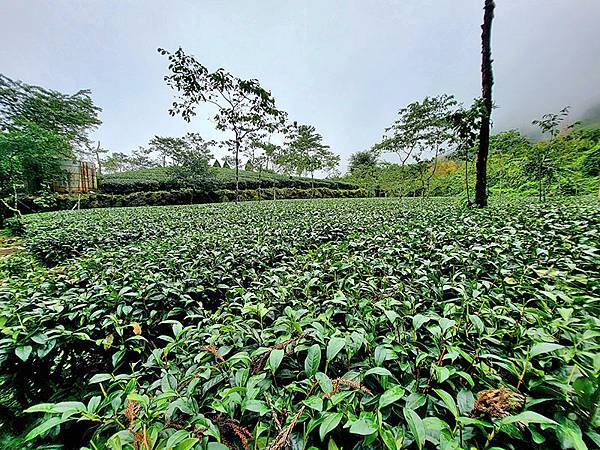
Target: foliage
<point x="244" y="108"/>
<point x="306" y="152"/>
<point x="38" y="129"/>
<point x="511" y="168"/>
<point x="183" y="196"/>
<point x="70" y="117"/>
<point x="219" y="178"/>
<point x="422" y="130"/>
<point x="540" y="163"/>
<point x="410" y="324"/>
<point x="30" y="159"/>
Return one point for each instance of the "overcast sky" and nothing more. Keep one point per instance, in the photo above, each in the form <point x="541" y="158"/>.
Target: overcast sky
<point x="344" y="66"/>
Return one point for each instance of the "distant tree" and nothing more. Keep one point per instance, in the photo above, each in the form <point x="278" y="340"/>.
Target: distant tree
<point x="140" y="159"/>
<point x="38" y="129"/>
<point x="71" y="117"/>
<point x="261" y="154"/>
<point x="363" y="167"/>
<point x="422" y="130"/>
<point x="466" y="124"/>
<point x="98" y="152"/>
<point x="190" y="161"/>
<point x="217" y="164"/>
<point x="539" y="164"/>
<point x="363" y="161"/>
<point x="228" y="161"/>
<point x="331" y="164"/>
<point x="166" y="147"/>
<point x="511" y="141"/>
<point x="308" y="154"/>
<point x="551" y="123"/>
<point x="487" y="81"/>
<point x="116" y="162"/>
<point x="244" y="107"/>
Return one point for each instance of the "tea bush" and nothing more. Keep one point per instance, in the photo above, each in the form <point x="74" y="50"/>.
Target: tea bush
<point x="348" y="323"/>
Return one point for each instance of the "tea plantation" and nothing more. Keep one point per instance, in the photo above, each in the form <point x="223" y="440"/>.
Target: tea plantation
<point x="304" y="324"/>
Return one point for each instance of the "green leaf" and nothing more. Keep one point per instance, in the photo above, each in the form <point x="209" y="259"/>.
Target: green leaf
<point x="177" y="437"/>
<point x="389" y="440"/>
<point x="365" y="425"/>
<point x="465" y="400"/>
<point x="40" y="338"/>
<point x="380" y="355"/>
<point x="378" y="371"/>
<point x="313" y="360"/>
<point x="216" y="446"/>
<point x="257" y="406"/>
<point x="477" y="323"/>
<point x="114" y="442"/>
<point x="544" y="347"/>
<point x="63" y="407"/>
<point x="569" y="435"/>
<point x="419" y="320"/>
<point x="275" y="359"/>
<point x="335" y="345"/>
<point x="186" y="444"/>
<point x="43" y="428"/>
<point x="525" y="418"/>
<point x="100" y="377"/>
<point x="448" y="401"/>
<point x="416" y="426"/>
<point x="314" y="402"/>
<point x="324" y="382"/>
<point x="390" y="396"/>
<point x="23" y="352"/>
<point x="42" y="407"/>
<point x="329" y="423"/>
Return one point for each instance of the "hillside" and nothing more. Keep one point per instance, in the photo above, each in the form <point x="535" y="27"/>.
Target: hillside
<point x="160" y="179"/>
<point x="572" y="164"/>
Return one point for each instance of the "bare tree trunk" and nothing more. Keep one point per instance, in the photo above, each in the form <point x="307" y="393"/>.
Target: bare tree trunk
<point x="487" y="81"/>
<point x="98" y="159"/>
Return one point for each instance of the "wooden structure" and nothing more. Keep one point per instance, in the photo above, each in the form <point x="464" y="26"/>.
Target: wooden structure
<point x="80" y="177"/>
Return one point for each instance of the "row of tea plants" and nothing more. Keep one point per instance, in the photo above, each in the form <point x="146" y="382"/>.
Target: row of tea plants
<point x="355" y="324"/>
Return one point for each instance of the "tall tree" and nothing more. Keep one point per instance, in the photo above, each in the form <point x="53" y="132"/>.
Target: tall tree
<point x="539" y="163"/>
<point x="30" y="159"/>
<point x="423" y="129"/>
<point x="467" y="124"/>
<point x="98" y="152"/>
<point x="116" y="162"/>
<point x="487" y="81"/>
<point x="165" y="147"/>
<point x="70" y="116"/>
<point x="308" y="152"/>
<point x="244" y="108"/>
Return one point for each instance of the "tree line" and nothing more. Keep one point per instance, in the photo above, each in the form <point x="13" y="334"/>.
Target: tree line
<point x="565" y="158"/>
<point x="40" y="128"/>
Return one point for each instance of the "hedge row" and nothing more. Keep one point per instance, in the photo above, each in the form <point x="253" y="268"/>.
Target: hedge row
<point x="110" y="185"/>
<point x="56" y="202"/>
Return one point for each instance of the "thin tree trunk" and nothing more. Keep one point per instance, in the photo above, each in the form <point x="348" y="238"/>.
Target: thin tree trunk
<point x="98" y="159"/>
<point x="237" y="171"/>
<point x="487" y="81"/>
<point x="467" y="179"/>
<point x="259" y="183"/>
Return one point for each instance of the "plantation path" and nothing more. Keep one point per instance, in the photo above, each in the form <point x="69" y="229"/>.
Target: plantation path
<point x="9" y="244"/>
